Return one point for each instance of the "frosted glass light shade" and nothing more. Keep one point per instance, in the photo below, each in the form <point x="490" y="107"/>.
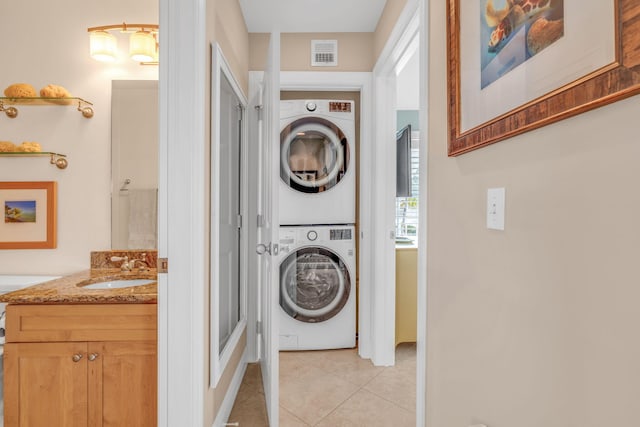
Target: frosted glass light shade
<point x="142" y="46"/>
<point x="103" y="46"/>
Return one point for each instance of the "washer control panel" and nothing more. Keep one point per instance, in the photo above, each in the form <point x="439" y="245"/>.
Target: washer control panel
<point x="290" y="236"/>
<point x="340" y="234"/>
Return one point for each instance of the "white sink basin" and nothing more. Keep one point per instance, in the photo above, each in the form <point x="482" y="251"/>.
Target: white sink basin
<point x="117" y="284"/>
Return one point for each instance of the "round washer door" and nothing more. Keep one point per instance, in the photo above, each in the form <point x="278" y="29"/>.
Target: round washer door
<point x="314" y="155"/>
<point x="314" y="284"/>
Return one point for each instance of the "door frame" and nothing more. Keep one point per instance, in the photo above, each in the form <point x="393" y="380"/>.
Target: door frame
<point x="361" y="82"/>
<point x="182" y="109"/>
<point x="402" y="42"/>
<point x="411" y="28"/>
<point x="182" y="233"/>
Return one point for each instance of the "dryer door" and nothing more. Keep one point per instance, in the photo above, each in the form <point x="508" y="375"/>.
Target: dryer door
<point x="314" y="155"/>
<point x="314" y="284"/>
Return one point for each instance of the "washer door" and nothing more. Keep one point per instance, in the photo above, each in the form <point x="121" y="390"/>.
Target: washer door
<point x="314" y="155"/>
<point x="314" y="284"/>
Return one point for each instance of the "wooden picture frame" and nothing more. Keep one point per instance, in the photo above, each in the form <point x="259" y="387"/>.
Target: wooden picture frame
<point x="29" y="218"/>
<point x="618" y="79"/>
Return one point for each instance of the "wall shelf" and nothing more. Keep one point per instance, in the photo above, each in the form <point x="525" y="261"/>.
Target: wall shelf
<point x="7" y="104"/>
<point x="60" y="160"/>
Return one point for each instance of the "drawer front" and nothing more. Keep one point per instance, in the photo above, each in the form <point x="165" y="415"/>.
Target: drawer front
<point x="88" y="322"/>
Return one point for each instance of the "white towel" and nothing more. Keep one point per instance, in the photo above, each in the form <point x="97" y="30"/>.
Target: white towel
<point x="3" y="325"/>
<point x="143" y="213"/>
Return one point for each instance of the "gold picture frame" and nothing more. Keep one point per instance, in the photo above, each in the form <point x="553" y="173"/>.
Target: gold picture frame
<point x="29" y="219"/>
<point x="618" y="79"/>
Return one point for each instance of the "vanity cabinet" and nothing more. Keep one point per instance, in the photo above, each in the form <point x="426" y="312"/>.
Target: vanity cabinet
<point x="81" y="365"/>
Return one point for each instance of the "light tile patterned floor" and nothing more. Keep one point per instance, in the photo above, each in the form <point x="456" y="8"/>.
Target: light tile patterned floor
<point x="333" y="388"/>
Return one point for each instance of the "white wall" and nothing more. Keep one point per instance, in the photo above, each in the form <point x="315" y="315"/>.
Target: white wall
<point x="408" y="84"/>
<point x="50" y="45"/>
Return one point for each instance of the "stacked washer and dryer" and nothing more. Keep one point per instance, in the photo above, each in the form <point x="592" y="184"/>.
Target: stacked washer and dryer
<point x="317" y="207"/>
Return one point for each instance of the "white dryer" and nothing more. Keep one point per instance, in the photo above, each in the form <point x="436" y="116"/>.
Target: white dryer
<point x="317" y="287"/>
<point x="317" y="162"/>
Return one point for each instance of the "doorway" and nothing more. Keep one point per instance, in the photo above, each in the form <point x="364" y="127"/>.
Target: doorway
<point x="376" y="332"/>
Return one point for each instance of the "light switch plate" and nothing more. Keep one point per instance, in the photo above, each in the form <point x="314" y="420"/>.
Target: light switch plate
<point x="495" y="208"/>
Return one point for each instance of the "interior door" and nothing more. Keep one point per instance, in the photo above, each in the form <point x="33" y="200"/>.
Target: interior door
<point x="268" y="173"/>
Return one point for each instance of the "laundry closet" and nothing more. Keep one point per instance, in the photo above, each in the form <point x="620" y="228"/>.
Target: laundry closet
<point x="318" y="194"/>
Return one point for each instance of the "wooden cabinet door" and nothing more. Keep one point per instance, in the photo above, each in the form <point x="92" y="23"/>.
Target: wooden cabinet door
<point x="45" y="385"/>
<point x="122" y="383"/>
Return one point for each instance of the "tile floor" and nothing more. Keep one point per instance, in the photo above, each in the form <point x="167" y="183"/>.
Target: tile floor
<point x="333" y="388"/>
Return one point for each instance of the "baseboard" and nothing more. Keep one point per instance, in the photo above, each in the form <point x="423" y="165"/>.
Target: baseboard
<point x="232" y="393"/>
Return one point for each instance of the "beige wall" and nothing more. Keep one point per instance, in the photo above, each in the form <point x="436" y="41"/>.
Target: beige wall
<point x="536" y="325"/>
<point x="354" y="51"/>
<point x="225" y="380"/>
<point x="258" y="51"/>
<point x="225" y="26"/>
<point x="35" y="53"/>
<point x="231" y="33"/>
<point x="388" y="19"/>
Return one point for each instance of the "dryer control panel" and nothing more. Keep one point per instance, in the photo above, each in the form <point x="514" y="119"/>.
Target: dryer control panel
<point x="340" y="234"/>
<point x="340" y="106"/>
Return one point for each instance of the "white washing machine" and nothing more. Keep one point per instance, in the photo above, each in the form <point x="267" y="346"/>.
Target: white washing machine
<point x="317" y="162"/>
<point x="317" y="287"/>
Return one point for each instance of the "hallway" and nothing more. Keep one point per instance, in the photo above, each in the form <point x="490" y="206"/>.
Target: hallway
<point x="333" y="388"/>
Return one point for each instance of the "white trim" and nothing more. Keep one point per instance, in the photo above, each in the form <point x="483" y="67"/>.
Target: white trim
<point x="182" y="317"/>
<point x="351" y="81"/>
<point x="232" y="392"/>
<point x="383" y="204"/>
<point x="270" y="364"/>
<point x="423" y="242"/>
<point x="399" y="39"/>
<point x="410" y="28"/>
<point x="400" y="46"/>
<point x="254" y="308"/>
<point x="219" y="360"/>
<point x="163" y="286"/>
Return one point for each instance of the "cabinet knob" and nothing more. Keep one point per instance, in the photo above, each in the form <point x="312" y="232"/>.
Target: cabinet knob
<point x="93" y="356"/>
<point x="76" y="357"/>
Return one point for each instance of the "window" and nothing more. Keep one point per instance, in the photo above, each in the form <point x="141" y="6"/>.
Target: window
<point x="407" y="207"/>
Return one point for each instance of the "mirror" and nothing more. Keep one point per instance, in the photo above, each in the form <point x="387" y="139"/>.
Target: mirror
<point x="134" y="164"/>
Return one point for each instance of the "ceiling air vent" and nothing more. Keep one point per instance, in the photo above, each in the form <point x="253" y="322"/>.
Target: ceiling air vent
<point x="324" y="53"/>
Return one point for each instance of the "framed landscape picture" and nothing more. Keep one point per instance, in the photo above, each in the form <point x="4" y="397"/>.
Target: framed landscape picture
<point x="29" y="219"/>
<point x="516" y="65"/>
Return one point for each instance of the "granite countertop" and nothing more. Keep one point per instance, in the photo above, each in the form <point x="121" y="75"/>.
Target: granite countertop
<point x="65" y="290"/>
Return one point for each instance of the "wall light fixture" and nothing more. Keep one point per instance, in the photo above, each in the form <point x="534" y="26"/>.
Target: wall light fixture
<point x="143" y="42"/>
